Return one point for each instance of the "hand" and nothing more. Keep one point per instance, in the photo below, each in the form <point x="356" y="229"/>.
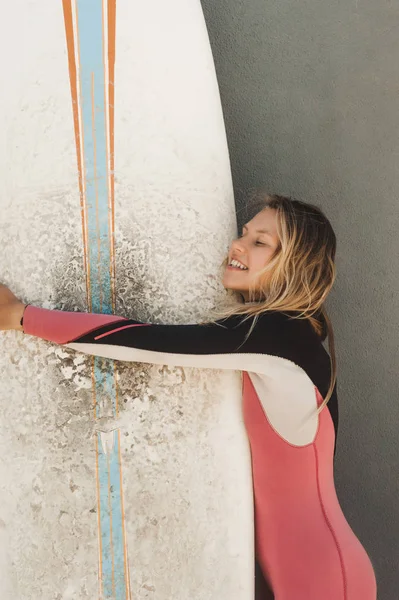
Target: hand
<point x="11" y="310"/>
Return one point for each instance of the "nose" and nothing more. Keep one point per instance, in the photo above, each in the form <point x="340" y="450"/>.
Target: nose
<point x="238" y="246"/>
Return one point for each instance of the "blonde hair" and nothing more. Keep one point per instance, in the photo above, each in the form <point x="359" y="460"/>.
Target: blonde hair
<point x="299" y="276"/>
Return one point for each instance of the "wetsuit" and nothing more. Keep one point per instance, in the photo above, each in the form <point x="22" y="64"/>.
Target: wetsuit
<point x="303" y="543"/>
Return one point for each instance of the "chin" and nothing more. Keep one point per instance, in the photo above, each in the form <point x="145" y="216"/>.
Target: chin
<point x="236" y="291"/>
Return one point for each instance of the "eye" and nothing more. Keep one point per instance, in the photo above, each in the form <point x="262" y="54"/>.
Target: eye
<point x="261" y="243"/>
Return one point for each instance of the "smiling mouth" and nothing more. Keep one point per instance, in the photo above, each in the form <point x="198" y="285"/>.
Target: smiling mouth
<point x="237" y="265"/>
<point x="231" y="268"/>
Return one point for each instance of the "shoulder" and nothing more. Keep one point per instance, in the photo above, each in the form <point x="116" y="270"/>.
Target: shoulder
<point x="294" y="339"/>
<point x="287" y="325"/>
<point x="280" y="325"/>
<point x="301" y="344"/>
<point x="278" y="333"/>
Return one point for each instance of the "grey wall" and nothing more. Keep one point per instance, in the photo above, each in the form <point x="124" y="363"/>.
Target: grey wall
<point x="310" y="93"/>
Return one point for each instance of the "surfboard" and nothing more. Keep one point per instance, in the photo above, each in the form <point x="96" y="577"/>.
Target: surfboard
<point x="117" y="480"/>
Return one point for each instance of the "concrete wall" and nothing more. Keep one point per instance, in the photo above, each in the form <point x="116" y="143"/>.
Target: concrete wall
<point x="310" y="92"/>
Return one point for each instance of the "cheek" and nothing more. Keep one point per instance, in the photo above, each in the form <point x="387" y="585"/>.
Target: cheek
<point x="263" y="258"/>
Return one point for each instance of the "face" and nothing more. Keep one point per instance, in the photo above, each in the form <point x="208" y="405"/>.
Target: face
<point x="254" y="249"/>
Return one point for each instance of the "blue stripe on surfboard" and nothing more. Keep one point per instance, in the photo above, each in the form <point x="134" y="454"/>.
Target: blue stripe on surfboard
<point x="114" y="585"/>
<point x="95" y="151"/>
<point x="92" y="81"/>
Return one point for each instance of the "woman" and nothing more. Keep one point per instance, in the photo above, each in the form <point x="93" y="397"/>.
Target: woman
<point x="279" y="273"/>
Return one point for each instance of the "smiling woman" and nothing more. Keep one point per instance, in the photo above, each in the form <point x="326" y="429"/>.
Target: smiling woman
<point x="252" y="252"/>
<point x="276" y="341"/>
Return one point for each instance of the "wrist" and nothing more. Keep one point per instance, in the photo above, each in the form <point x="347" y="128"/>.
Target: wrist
<point x="17" y="316"/>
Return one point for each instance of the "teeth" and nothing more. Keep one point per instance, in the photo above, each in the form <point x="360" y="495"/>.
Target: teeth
<point x="235" y="263"/>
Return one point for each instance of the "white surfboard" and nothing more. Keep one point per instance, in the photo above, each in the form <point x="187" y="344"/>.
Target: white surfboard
<point x="117" y="480"/>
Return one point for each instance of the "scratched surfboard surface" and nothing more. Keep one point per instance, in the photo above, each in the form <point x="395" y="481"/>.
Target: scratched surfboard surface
<point x="117" y="480"/>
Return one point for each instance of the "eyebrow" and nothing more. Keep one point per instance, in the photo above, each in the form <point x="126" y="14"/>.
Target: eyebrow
<point x="259" y="230"/>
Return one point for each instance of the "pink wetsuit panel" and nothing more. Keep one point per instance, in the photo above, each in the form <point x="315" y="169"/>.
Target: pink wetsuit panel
<point x="304" y="545"/>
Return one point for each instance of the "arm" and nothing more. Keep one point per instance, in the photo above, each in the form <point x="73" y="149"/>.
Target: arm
<point x="281" y="349"/>
<point x="217" y="346"/>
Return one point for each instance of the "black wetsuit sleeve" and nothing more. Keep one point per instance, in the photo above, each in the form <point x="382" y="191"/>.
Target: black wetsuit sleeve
<point x="218" y="345"/>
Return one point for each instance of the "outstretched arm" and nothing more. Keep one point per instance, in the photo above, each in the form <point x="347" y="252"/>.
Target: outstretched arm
<point x="218" y="345"/>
